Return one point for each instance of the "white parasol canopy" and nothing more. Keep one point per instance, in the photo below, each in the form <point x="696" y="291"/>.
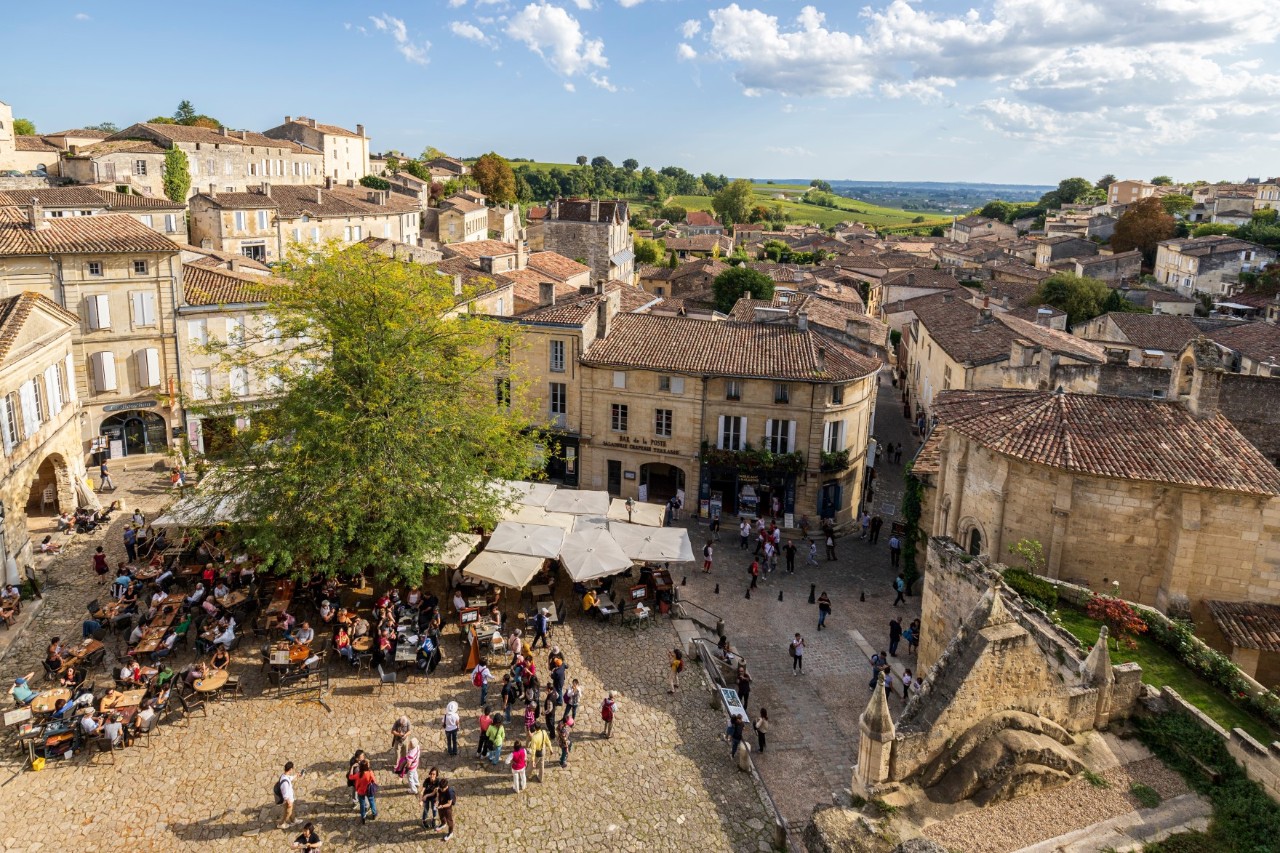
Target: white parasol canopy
<point x="509" y="570"/>
<point x="85" y="497"/>
<point x="659" y="544"/>
<point x="201" y="509"/>
<point x="578" y="502"/>
<point x="524" y="492"/>
<point x="537" y="515"/>
<point x="534" y="540"/>
<point x="591" y="554"/>
<point x="583" y="523"/>
<point x="650" y="515"/>
<point x="457" y="549"/>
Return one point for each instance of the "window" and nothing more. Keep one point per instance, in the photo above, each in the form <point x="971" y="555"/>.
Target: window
<point x="148" y="361"/>
<point x="618" y="417"/>
<point x="833" y="436"/>
<point x="200" y="383"/>
<point x="781" y="392"/>
<point x="147" y="219"/>
<point x="946" y="377"/>
<point x="780" y="436"/>
<point x="732" y="389"/>
<point x="662" y="423"/>
<point x="39" y="414"/>
<point x="239" y="217"/>
<point x="95" y="267"/>
<point x="619" y="379"/>
<point x="271" y="329"/>
<point x="559" y="399"/>
<point x="358" y="232"/>
<point x="502" y="391"/>
<point x="170" y="223"/>
<point x="664" y="383"/>
<point x="253" y="170"/>
<point x="837" y="395"/>
<point x="9" y="422"/>
<point x="144" y="308"/>
<point x="557" y="356"/>
<point x="198" y="332"/>
<point x="99" y="310"/>
<point x="67" y="375"/>
<point x="297" y="235"/>
<point x="139" y="267"/>
<point x="139" y="167"/>
<point x="53" y="388"/>
<point x="235" y="331"/>
<point x="730" y="433"/>
<point x="346" y="233"/>
<point x="103" y="368"/>
<point x="263" y="217"/>
<point x="239" y="381"/>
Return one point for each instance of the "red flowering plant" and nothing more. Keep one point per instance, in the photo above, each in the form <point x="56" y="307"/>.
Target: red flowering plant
<point x="1120" y="618"/>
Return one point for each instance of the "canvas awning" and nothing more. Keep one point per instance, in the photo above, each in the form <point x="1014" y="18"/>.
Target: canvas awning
<point x="582" y="523"/>
<point x="510" y="570"/>
<point x="537" y="515"/>
<point x="529" y="494"/>
<point x="85" y="497"/>
<point x="579" y="502"/>
<point x="457" y="549"/>
<point x="199" y="510"/>
<point x="650" y="515"/>
<point x="534" y="540"/>
<point x="591" y="554"/>
<point x="658" y="544"/>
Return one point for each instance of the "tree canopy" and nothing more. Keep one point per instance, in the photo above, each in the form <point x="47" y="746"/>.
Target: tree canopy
<point x="1162" y="180"/>
<point x="1142" y="227"/>
<point x="997" y="209"/>
<point x="733" y="203"/>
<point x="176" y="174"/>
<point x="1177" y="204"/>
<point x="495" y="177"/>
<point x="649" y="251"/>
<point x="1080" y="296"/>
<point x="24" y="127"/>
<point x="737" y="282"/>
<point x="389" y="423"/>
<point x="1105" y="181"/>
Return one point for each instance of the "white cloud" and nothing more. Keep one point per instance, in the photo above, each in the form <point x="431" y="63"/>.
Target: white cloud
<point x="583" y="4"/>
<point x="691" y="28"/>
<point x="556" y="36"/>
<point x="684" y="51"/>
<point x="788" y="151"/>
<point x="82" y="16"/>
<point x="453" y="4"/>
<point x="627" y="4"/>
<point x="926" y="89"/>
<point x="603" y="82"/>
<point x="466" y="30"/>
<point x="410" y="50"/>
<point x="569" y="87"/>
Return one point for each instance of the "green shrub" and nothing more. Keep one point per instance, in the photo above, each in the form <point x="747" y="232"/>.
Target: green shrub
<point x="1146" y="796"/>
<point x="1095" y="780"/>
<point x="373" y="182"/>
<point x="1039" y="592"/>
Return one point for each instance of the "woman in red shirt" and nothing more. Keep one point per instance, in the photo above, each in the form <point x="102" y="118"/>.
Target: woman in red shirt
<point x="519" y="760"/>
<point x="366" y="791"/>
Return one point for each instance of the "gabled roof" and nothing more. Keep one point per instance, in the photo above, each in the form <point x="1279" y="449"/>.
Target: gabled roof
<point x="479" y="249"/>
<point x="1210" y="245"/>
<point x="204" y="286"/>
<point x="80" y="132"/>
<point x="462" y="205"/>
<point x="1164" y="332"/>
<point x="330" y="129"/>
<point x="293" y="201"/>
<point x="970" y="337"/>
<point x="15" y="310"/>
<point x="208" y="136"/>
<point x="556" y="266"/>
<point x="1247" y="624"/>
<point x="87" y="197"/>
<point x="106" y="234"/>
<point x="1258" y="341"/>
<point x="700" y="218"/>
<point x="119" y="146"/>
<point x="34" y="143"/>
<point x="579" y="210"/>
<point x="1118" y="437"/>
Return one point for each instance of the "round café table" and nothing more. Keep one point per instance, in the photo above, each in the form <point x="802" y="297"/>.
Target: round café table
<point x="45" y="701"/>
<point x="362" y="644"/>
<point x="211" y="683"/>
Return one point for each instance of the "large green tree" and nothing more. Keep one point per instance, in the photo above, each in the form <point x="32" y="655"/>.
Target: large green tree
<point x="733" y="203"/>
<point x="177" y="174"/>
<point x="495" y="177"/>
<point x="1177" y="204"/>
<point x="390" y="420"/>
<point x="1144" y="224"/>
<point x="737" y="282"/>
<point x="1080" y="296"/>
<point x="649" y="251"/>
<point x="24" y="127"/>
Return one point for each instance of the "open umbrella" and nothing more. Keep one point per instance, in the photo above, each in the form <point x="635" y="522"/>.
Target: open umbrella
<point x="658" y="544"/>
<point x="537" y="515"/>
<point x="529" y="494"/>
<point x="590" y="554"/>
<point x="535" y="540"/>
<point x="649" y="515"/>
<point x="582" y="523"/>
<point x="85" y="497"/>
<point x="579" y="502"/>
<point x="456" y="549"/>
<point x="509" y="570"/>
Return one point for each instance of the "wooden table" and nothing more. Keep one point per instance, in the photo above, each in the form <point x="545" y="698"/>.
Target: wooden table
<point x="362" y="644"/>
<point x="147" y="573"/>
<point x="540" y="590"/>
<point x="150" y="640"/>
<point x="298" y="652"/>
<point x="550" y="607"/>
<point x="212" y="682"/>
<point x="606" y="606"/>
<point x="123" y="700"/>
<point x="232" y="599"/>
<point x="81" y="652"/>
<point x="46" y="701"/>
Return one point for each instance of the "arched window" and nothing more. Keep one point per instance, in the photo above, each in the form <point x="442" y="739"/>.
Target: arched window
<point x="975" y="541"/>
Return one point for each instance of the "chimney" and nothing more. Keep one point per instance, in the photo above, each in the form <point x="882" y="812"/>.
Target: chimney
<point x="288" y="119"/>
<point x="486" y="263"/>
<point x="222" y="131"/>
<point x="234" y="265"/>
<point x="73" y="150"/>
<point x="457" y="284"/>
<point x="266" y="188"/>
<point x="311" y="122"/>
<point x="595" y="209"/>
<point x="911" y="279"/>
<point x="318" y="199"/>
<point x="802" y="320"/>
<point x="822" y="359"/>
<point x="600" y="283"/>
<point x="35" y="216"/>
<point x="213" y="190"/>
<point x="350" y="183"/>
<point x="328" y="182"/>
<point x="1043" y="316"/>
<point x="1005" y="303"/>
<point x="986" y="303"/>
<point x="984" y="315"/>
<point x="522" y="251"/>
<point x="359" y="130"/>
<point x="948" y="297"/>
<point x="546" y="293"/>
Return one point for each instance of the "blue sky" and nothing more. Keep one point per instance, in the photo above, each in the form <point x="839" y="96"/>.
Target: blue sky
<point x="1001" y="90"/>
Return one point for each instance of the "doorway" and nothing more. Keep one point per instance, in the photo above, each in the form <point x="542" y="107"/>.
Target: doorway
<point x="615" y="477"/>
<point x="829" y="500"/>
<point x="662" y="480"/>
<point x="133" y="433"/>
<point x="975" y="541"/>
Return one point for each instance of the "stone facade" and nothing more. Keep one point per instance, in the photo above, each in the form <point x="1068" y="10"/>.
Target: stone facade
<point x="597" y="232"/>
<point x="346" y="153"/>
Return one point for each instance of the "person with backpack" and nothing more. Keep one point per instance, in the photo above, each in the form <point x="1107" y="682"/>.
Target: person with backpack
<point x="824" y="609"/>
<point x="677" y="667"/>
<point x="564" y="739"/>
<point x="484" y="721"/>
<point x="608" y="708"/>
<point x="797" y="655"/>
<point x="285" y="795"/>
<point x="541" y="627"/>
<point x="407" y="767"/>
<point x="367" y="791"/>
<point x="353" y="770"/>
<point x="706" y="558"/>
<point x="877" y="660"/>
<point x="450" y="724"/>
<point x="900" y="587"/>
<point x="480" y="677"/>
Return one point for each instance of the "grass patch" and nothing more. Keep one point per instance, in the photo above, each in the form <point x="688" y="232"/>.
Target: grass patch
<point x="850" y="208"/>
<point x="1146" y="796"/>
<point x="884" y="808"/>
<point x="1160" y="668"/>
<point x="1094" y="779"/>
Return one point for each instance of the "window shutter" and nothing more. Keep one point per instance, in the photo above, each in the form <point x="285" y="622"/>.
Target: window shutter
<point x="30" y="420"/>
<point x="99" y="312"/>
<point x="148" y="367"/>
<point x="677" y="384"/>
<point x="768" y="434"/>
<point x="53" y="393"/>
<point x="149" y="309"/>
<point x="71" y="380"/>
<point x="742" y="434"/>
<point x="840" y="435"/>
<point x="139" y="311"/>
<point x="104" y="371"/>
<point x="791" y="436"/>
<point x="720" y="433"/>
<point x="6" y="421"/>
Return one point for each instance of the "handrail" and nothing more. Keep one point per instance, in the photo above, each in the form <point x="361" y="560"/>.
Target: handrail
<point x="715" y="626"/>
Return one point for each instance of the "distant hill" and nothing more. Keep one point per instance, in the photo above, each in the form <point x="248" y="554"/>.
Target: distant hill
<point x="940" y="197"/>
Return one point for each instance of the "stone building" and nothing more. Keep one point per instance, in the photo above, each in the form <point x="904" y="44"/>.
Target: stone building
<point x="596" y="231"/>
<point x="346" y="152"/>
<point x="1062" y="247"/>
<point x="135" y="165"/>
<point x="120" y="279"/>
<point x="39" y="423"/>
<point x="264" y="221"/>
<point x="1152" y="340"/>
<point x="458" y="220"/>
<point x="1165" y="497"/>
<point x="980" y="227"/>
<point x="24" y="153"/>
<point x="159" y="214"/>
<point x="231" y="160"/>
<point x="1210" y="265"/>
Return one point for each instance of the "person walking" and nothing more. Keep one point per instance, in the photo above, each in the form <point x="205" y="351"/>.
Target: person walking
<point x="430" y="790"/>
<point x="367" y="791"/>
<point x="572" y="695"/>
<point x="564" y="739"/>
<point x="755" y="573"/>
<point x="744" y="682"/>
<point x="497" y="735"/>
<point x="450" y="725"/>
<point x="715" y="527"/>
<point x="518" y="760"/>
<point x="744" y="535"/>
<point x="831" y="546"/>
<point x="399" y="732"/>
<point x="797" y="655"/>
<point x="100" y="564"/>
<point x="761" y="725"/>
<point x="608" y="709"/>
<point x="676" y="667"/>
<point x="353" y="770"/>
<point x="864" y="524"/>
<point x="813" y="553"/>
<point x="737" y="723"/>
<point x="824" y="609"/>
<point x="706" y="558"/>
<point x="541" y="628"/>
<point x="285" y="795"/>
<point x="484" y="721"/>
<point x="789" y="550"/>
<point x="876" y="523"/>
<point x="540" y="743"/>
<point x="895" y="550"/>
<point x="407" y="768"/>
<point x="550" y="705"/>
<point x="131" y="542"/>
<point x="897" y="454"/>
<point x="877" y="660"/>
<point x="480" y="677"/>
<point x="913" y="641"/>
<point x="104" y="477"/>
<point x="446" y="798"/>
<point x="907" y="680"/>
<point x="895" y="636"/>
<point x="900" y="587"/>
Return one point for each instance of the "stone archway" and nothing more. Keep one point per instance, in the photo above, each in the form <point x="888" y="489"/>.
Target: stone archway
<point x="662" y="480"/>
<point x="52" y="489"/>
<point x="972" y="537"/>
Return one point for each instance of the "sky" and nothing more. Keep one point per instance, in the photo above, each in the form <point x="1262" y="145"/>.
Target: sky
<point x="1009" y="91"/>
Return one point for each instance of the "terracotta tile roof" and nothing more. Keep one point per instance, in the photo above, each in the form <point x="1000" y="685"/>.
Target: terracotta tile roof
<point x="1017" y="292"/>
<point x="929" y="457"/>
<point x="1258" y="340"/>
<point x="579" y="210"/>
<point x="119" y="146"/>
<point x="700" y="243"/>
<point x="464" y="205"/>
<point x="204" y="286"/>
<point x="762" y="350"/>
<point x="967" y="337"/>
<point x="528" y="289"/>
<point x="479" y="249"/>
<point x="208" y="136"/>
<point x="34" y="143"/>
<point x="1119" y="437"/>
<point x="472" y="275"/>
<point x="330" y="129"/>
<point x="1213" y="244"/>
<point x="1164" y="332"/>
<point x="942" y="279"/>
<point x="87" y="197"/>
<point x="699" y="218"/>
<point x="556" y="266"/>
<point x="106" y="234"/>
<point x="974" y="221"/>
<point x="214" y="258"/>
<point x="656" y="272"/>
<point x="81" y="132"/>
<point x="15" y="310"/>
<point x="537" y="213"/>
<point x="1247" y="624"/>
<point x="293" y="201"/>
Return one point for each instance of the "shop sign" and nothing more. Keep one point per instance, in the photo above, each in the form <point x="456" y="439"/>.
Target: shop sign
<point x="121" y="407"/>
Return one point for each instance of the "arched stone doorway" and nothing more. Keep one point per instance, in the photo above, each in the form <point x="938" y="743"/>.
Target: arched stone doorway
<point x="135" y="432"/>
<point x="52" y="490"/>
<point x="661" y="481"/>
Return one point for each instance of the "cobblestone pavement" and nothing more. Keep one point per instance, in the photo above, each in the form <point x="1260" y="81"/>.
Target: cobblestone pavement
<point x="663" y="782"/>
<point x="813" y="739"/>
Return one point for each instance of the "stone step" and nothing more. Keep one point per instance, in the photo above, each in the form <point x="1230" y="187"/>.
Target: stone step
<point x="1133" y="830"/>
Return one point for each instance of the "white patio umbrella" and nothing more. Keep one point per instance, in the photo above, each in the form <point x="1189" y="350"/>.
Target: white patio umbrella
<point x="201" y="509"/>
<point x="582" y="523"/>
<point x="509" y="570"/>
<point x="85" y="497"/>
<point x="591" y="554"/>
<point x="534" y="540"/>
<point x="529" y="494"/>
<point x="456" y="549"/>
<point x="537" y="515"/>
<point x="578" y="502"/>
<point x="658" y="544"/>
<point x="647" y="514"/>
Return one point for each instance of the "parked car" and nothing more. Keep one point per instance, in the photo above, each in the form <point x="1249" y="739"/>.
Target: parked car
<point x="10" y="173"/>
<point x="37" y="173"/>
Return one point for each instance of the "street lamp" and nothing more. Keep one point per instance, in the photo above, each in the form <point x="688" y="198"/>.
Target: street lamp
<point x="630" y="506"/>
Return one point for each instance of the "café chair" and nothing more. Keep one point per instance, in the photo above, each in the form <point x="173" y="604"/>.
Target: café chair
<point x="142" y="737"/>
<point x="232" y="689"/>
<point x="364" y="663"/>
<point x="103" y="746"/>
<point x="50" y="671"/>
<point x="385" y="678"/>
<point x="192" y="705"/>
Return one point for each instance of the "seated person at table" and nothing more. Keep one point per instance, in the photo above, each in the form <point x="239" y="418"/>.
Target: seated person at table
<point x="158" y="597"/>
<point x="210" y="606"/>
<point x="228" y="634"/>
<point x="61" y="708"/>
<point x="65" y="523"/>
<point x="413" y="600"/>
<point x="342" y="642"/>
<point x="327" y="612"/>
<point x="382" y="601"/>
<point x="246" y="574"/>
<point x="53" y="655"/>
<point x="221" y="658"/>
<point x="130" y="671"/>
<point x="495" y="616"/>
<point x="141" y="720"/>
<point x="196" y="596"/>
<point x="11" y="591"/>
<point x="113" y="730"/>
<point x="121" y="581"/>
<point x="194" y="673"/>
<point x="21" y="690"/>
<point x="459" y="603"/>
<point x="48" y="546"/>
<point x="129" y="600"/>
<point x="164" y="580"/>
<point x="359" y="628"/>
<point x="304" y="634"/>
<point x="135" y="636"/>
<point x="386" y="648"/>
<point x="89" y="627"/>
<point x="591" y="604"/>
<point x="89" y="724"/>
<point x="285" y="623"/>
<point x="209" y="575"/>
<point x="221" y="591"/>
<point x="73" y="677"/>
<point x="167" y="643"/>
<point x="429" y="601"/>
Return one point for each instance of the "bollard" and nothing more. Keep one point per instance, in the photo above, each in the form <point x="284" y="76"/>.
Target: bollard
<point x="684" y="581"/>
<point x="779" y="595"/>
<point x="719" y="627"/>
<point x="717" y="589"/>
<point x="862" y="596"/>
<point x="748" y="592"/>
<point x="812" y="590"/>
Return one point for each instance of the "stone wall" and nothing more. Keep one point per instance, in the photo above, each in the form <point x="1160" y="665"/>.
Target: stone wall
<point x="1252" y="403"/>
<point x="1119" y="380"/>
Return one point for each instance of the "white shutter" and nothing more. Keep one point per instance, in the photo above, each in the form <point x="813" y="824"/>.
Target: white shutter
<point x="53" y="392"/>
<point x="144" y="308"/>
<point x="677" y="384"/>
<point x="148" y="367"/>
<point x="198" y="332"/>
<point x="839" y="435"/>
<point x="99" y="311"/>
<point x="71" y="380"/>
<point x="104" y="371"/>
<point x="720" y="433"/>
<point x="791" y="436"/>
<point x="768" y="434"/>
<point x="742" y="433"/>
<point x="239" y="381"/>
<point x="6" y="418"/>
<point x="26" y="393"/>
<point x="235" y="331"/>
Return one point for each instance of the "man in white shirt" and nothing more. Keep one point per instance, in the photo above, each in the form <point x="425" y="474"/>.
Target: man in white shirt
<point x="286" y="793"/>
<point x="224" y="639"/>
<point x="196" y="595"/>
<point x="135" y="636"/>
<point x="220" y="591"/>
<point x="113" y="730"/>
<point x="305" y="634"/>
<point x="88" y="725"/>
